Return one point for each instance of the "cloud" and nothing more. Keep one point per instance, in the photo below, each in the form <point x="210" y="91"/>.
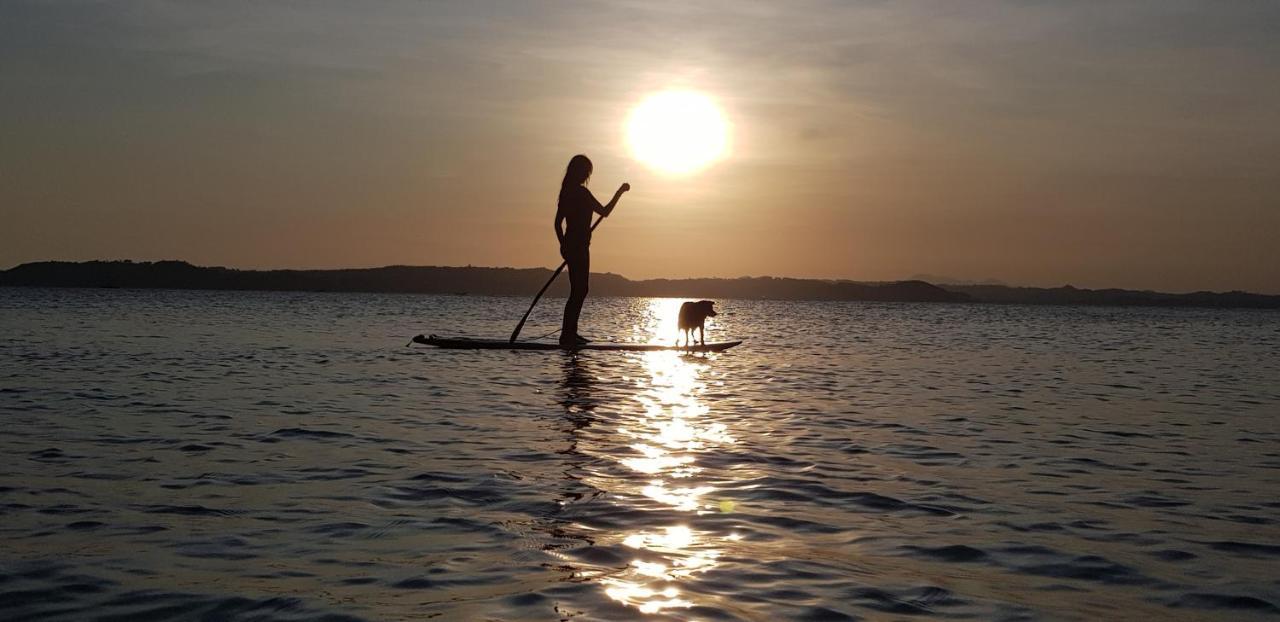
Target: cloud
<point x="843" y="110"/>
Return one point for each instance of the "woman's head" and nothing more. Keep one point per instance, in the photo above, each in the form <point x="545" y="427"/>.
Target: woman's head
<point x="578" y="172"/>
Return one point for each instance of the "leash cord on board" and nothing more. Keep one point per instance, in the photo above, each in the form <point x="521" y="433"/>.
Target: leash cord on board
<point x="542" y="336"/>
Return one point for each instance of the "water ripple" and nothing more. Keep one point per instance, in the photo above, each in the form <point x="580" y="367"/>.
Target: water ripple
<point x="273" y="456"/>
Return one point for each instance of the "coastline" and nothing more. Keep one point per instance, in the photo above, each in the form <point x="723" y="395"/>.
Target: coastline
<point x="482" y="281"/>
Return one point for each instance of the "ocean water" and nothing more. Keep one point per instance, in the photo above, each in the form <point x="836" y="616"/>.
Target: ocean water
<point x="239" y="455"/>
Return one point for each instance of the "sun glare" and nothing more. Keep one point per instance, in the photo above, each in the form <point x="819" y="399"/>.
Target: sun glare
<point x="677" y="132"/>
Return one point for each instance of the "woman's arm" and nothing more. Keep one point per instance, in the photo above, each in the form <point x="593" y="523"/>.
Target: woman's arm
<point x="560" y="218"/>
<point x="605" y="210"/>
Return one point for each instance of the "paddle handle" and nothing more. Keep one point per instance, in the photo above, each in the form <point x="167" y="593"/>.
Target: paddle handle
<point x="516" y="333"/>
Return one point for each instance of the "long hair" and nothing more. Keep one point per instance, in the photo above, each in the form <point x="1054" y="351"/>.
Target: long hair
<point x="577" y="173"/>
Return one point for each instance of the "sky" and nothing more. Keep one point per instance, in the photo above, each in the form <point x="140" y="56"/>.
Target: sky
<point x="1126" y="143"/>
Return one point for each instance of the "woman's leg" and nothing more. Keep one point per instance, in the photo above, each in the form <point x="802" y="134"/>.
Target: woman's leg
<point x="579" y="273"/>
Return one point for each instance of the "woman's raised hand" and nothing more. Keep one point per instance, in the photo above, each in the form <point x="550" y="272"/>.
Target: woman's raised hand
<point x="624" y="187"/>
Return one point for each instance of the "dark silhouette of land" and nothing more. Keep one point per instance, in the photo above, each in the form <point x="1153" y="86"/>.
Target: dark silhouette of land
<point x="526" y="281"/>
<point x="1068" y="295"/>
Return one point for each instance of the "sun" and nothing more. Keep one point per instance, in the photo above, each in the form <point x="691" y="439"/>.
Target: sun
<point x="677" y="132"/>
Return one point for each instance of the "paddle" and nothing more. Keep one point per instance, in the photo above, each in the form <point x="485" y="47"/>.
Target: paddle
<point x="516" y="333"/>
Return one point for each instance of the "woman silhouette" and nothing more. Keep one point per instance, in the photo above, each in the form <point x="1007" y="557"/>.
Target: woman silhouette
<point x="573" y="229"/>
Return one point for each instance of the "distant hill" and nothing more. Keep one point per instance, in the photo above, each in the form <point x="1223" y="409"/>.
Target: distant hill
<point x="943" y="281"/>
<point x="526" y="281"/>
<point x="1068" y="295"/>
<point x="450" y="280"/>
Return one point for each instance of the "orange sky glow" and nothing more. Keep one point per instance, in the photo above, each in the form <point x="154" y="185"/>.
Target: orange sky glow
<point x="1120" y="144"/>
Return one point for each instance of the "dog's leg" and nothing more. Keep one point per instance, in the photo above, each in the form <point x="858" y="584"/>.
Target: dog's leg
<point x="702" y="335"/>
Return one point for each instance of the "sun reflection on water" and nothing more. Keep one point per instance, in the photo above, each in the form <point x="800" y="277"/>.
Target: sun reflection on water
<point x="671" y="432"/>
<point x="650" y="585"/>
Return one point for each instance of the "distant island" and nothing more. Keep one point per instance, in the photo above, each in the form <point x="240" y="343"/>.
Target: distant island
<point x="525" y="281"/>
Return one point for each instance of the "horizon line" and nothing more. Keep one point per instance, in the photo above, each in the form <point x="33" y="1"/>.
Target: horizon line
<point x="959" y="283"/>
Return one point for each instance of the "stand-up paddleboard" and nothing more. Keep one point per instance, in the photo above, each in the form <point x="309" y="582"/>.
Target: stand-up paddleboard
<point x="465" y="343"/>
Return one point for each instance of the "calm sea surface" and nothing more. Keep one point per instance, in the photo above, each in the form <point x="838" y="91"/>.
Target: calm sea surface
<point x="206" y="455"/>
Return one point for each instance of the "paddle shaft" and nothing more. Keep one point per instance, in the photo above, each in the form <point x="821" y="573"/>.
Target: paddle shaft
<point x="516" y="333"/>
